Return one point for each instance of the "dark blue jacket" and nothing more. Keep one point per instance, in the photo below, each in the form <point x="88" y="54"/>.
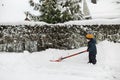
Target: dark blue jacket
<point x="92" y="46"/>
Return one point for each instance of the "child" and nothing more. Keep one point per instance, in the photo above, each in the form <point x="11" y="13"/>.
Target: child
<point x="91" y="48"/>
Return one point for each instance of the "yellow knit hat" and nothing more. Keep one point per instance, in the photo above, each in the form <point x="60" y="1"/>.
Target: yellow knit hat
<point x="89" y="36"/>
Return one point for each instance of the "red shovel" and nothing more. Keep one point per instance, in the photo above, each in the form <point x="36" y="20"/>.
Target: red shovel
<point x="62" y="58"/>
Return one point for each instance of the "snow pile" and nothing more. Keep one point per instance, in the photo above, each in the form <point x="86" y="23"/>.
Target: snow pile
<point x="83" y="22"/>
<point x="94" y="22"/>
<point x="24" y="23"/>
<point x="37" y="66"/>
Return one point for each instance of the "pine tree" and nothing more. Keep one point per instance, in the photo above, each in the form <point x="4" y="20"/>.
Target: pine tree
<point x="55" y="11"/>
<point x="49" y="11"/>
<point x="71" y="10"/>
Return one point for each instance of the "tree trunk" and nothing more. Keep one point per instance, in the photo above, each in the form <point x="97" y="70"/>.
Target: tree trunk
<point x="86" y="11"/>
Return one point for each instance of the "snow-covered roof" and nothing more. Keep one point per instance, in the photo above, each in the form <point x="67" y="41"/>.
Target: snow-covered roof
<point x="83" y="22"/>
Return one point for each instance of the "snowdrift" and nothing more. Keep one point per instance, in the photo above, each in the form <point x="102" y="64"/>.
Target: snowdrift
<point x="36" y="66"/>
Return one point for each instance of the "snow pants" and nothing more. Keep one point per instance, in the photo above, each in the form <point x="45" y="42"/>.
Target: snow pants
<point x="92" y="58"/>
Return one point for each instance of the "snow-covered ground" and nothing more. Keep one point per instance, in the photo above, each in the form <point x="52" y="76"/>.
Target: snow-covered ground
<point x="104" y="9"/>
<point x="36" y="66"/>
<point x="13" y="10"/>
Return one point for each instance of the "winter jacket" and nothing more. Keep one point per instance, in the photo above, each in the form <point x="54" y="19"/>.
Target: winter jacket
<point x="92" y="46"/>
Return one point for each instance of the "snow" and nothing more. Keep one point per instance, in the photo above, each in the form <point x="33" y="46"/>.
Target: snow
<point x="13" y="10"/>
<point x="24" y="23"/>
<point x="104" y="9"/>
<point x="83" y="22"/>
<point x="36" y="66"/>
<point x="94" y="22"/>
